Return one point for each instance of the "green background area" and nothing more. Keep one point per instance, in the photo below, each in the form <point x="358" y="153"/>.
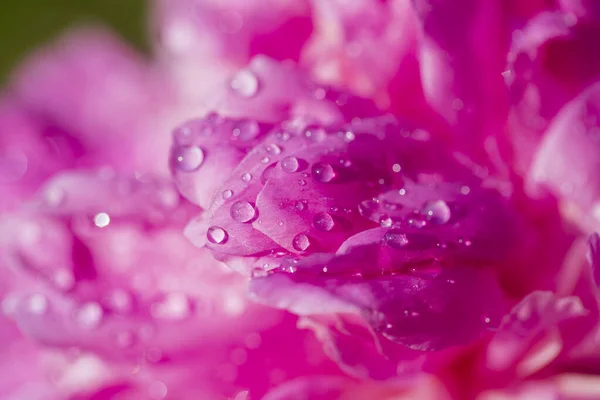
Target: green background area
<point x="26" y="24"/>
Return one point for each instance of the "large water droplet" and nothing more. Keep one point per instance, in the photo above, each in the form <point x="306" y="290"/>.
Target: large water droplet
<point x="323" y="222"/>
<point x="216" y="235"/>
<point x="323" y="172"/>
<point x="245" y="83"/>
<point x="396" y="239"/>
<point x="290" y="165"/>
<point x="172" y="306"/>
<point x="436" y="211"/>
<point x="242" y="211"/>
<point x="188" y="158"/>
<point x="89" y="315"/>
<point x="301" y="242"/>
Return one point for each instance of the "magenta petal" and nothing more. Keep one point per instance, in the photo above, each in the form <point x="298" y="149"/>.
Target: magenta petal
<point x="205" y="152"/>
<point x="198" y="33"/>
<point x="104" y="100"/>
<point x="568" y="157"/>
<point x="462" y="56"/>
<point x="529" y="324"/>
<point x="549" y="64"/>
<point x="428" y="310"/>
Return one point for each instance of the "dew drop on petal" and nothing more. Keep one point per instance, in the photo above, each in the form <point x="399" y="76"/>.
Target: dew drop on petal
<point x="101" y="220"/>
<point x="246" y="130"/>
<point x="216" y="235"/>
<point x="436" y="211"/>
<point x="89" y="315"/>
<point x="246" y="177"/>
<point x="290" y="164"/>
<point x="367" y="208"/>
<point x="188" y="158"/>
<point x="302" y="182"/>
<point x="265" y="160"/>
<point x="245" y="83"/>
<point x="323" y="222"/>
<point x="242" y="211"/>
<point x="273" y="149"/>
<point x="323" y="172"/>
<point x="227" y="194"/>
<point x="301" y="242"/>
<point x="385" y="221"/>
<point x="396" y="239"/>
<point x="396" y="168"/>
<point x="299" y="206"/>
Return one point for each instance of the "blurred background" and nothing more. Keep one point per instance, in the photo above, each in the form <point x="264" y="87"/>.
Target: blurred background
<point x="27" y="24"/>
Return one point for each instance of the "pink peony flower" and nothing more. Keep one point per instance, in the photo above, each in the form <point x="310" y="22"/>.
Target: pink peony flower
<point x="306" y="199"/>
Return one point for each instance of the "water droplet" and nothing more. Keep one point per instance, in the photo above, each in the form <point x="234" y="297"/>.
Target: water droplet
<point x="245" y="83"/>
<point x="101" y="220"/>
<point x="301" y="242"/>
<point x="396" y="239"/>
<point x="385" y="221"/>
<point x="227" y="194"/>
<point x="299" y="206"/>
<point x="436" y="211"/>
<point x="265" y="160"/>
<point x="367" y="208"/>
<point x="273" y="149"/>
<point x="301" y="182"/>
<point x="396" y="168"/>
<point x="172" y="306"/>
<point x="323" y="172"/>
<point x="216" y="235"/>
<point x="157" y="390"/>
<point x="188" y="158"/>
<point x="402" y="192"/>
<point x="323" y="222"/>
<point x="280" y="223"/>
<point x="290" y="164"/>
<point x="89" y="315"/>
<point x="37" y="304"/>
<point x="13" y="164"/>
<point x="242" y="211"/>
<point x="465" y="190"/>
<point x="246" y="177"/>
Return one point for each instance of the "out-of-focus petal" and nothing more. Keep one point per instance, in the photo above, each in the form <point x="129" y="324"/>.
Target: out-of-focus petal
<point x="568" y="158"/>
